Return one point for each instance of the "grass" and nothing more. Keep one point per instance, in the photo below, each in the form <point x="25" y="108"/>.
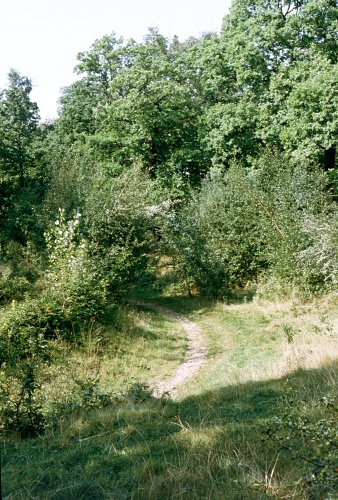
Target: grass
<point x="206" y="444"/>
<point x="249" y="341"/>
<point x="133" y="346"/>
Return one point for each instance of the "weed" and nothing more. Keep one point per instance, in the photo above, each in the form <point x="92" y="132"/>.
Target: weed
<point x="20" y="410"/>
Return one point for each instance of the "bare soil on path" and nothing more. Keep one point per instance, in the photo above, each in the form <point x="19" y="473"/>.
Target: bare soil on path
<point x="194" y="358"/>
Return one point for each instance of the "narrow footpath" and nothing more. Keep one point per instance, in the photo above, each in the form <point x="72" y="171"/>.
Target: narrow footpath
<point x="194" y="358"/>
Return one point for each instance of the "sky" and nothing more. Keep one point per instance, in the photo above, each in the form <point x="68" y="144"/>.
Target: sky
<point x="41" y="38"/>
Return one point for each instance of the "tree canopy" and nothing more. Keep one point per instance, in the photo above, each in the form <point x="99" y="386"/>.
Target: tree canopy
<point x="187" y="124"/>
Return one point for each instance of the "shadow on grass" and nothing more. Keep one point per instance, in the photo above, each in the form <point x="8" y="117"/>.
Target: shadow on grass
<point x="184" y="304"/>
<point x="203" y="447"/>
<point x="123" y="322"/>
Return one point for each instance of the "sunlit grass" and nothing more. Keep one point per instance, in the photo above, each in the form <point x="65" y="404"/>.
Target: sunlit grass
<point x="132" y="346"/>
<point x="249" y="341"/>
<point x="207" y="444"/>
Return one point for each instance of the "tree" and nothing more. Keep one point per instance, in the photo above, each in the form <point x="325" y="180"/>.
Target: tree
<point x="153" y="114"/>
<point x="306" y="118"/>
<point x="79" y="102"/>
<point x="19" y="156"/>
<point x="274" y="50"/>
<point x="19" y="124"/>
<point x="136" y="103"/>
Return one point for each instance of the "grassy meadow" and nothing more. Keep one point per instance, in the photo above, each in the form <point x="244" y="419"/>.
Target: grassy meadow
<point x="211" y="441"/>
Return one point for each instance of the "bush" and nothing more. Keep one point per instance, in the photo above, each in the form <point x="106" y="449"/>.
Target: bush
<point x="76" y="289"/>
<point x="119" y="224"/>
<point x="319" y="261"/>
<point x="12" y="287"/>
<point x="194" y="263"/>
<point x="310" y="435"/>
<point x="23" y="331"/>
<point x="249" y="223"/>
<point x="19" y="269"/>
<point x="20" y="410"/>
<point x="73" y="297"/>
<point x="229" y="218"/>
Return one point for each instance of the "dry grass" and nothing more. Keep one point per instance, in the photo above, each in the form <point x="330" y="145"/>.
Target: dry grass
<point x="208" y="443"/>
<point x="258" y="341"/>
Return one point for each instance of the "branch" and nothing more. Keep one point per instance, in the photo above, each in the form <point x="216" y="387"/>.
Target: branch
<point x="273" y="220"/>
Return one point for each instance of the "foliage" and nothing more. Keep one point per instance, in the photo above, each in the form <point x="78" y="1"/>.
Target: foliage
<point x="305" y="119"/>
<point x="19" y="167"/>
<point x="157" y="116"/>
<point x="243" y="224"/>
<point x="320" y="257"/>
<point x="19" y="409"/>
<point x="229" y="132"/>
<point x="76" y="289"/>
<point x="287" y="195"/>
<point x="12" y="287"/>
<point x="194" y="265"/>
<point x="119" y="225"/>
<point x="310" y="435"/>
<point x="274" y="51"/>
<point x="23" y="332"/>
<point x="19" y="121"/>
<point x="138" y="107"/>
<point x="73" y="296"/>
<point x="229" y="220"/>
<point x="20" y="269"/>
<point x="89" y="395"/>
<point x="63" y="179"/>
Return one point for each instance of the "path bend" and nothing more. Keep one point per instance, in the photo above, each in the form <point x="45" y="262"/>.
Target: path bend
<point x="195" y="355"/>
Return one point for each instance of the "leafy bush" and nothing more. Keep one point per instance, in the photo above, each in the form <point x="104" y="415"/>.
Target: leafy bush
<point x="228" y="217"/>
<point x="249" y="223"/>
<point x="12" y="287"/>
<point x="288" y="195"/>
<point x="194" y="264"/>
<point x="119" y="225"/>
<point x="73" y="296"/>
<point x="20" y="410"/>
<point x="89" y="395"/>
<point x="23" y="331"/>
<point x="320" y="260"/>
<point x="310" y="434"/>
<point x="26" y="409"/>
<point x="76" y="289"/>
<point x="20" y="268"/>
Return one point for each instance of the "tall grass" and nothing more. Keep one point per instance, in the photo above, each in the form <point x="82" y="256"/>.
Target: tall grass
<point x="209" y="442"/>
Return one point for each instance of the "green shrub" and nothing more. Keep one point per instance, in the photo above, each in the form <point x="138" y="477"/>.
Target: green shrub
<point x="23" y="331"/>
<point x="120" y="226"/>
<point x="319" y="260"/>
<point x="20" y="410"/>
<point x="250" y="223"/>
<point x="73" y="298"/>
<point x="20" y="268"/>
<point x="12" y="287"/>
<point x="229" y="218"/>
<point x="76" y="289"/>
<point x="309" y="433"/>
<point x="194" y="263"/>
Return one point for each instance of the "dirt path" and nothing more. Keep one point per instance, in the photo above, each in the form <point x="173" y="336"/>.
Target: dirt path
<point x="194" y="358"/>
